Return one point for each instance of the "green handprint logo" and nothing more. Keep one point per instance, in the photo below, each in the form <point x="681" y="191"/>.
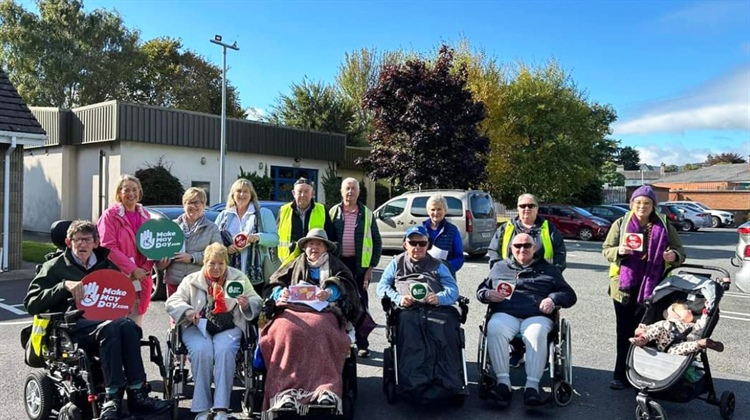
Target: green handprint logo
<point x="147" y="239"/>
<point x="90" y="294"/>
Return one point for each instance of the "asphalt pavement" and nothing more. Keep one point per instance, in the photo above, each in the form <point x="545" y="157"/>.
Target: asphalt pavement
<point x="593" y="346"/>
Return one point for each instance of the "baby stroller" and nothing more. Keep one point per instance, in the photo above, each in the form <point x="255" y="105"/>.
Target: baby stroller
<point x="436" y="372"/>
<point x="671" y="377"/>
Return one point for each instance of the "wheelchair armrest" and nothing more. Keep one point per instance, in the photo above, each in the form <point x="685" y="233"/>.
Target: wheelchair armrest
<point x="52" y="316"/>
<point x="463" y="303"/>
<point x="387" y="304"/>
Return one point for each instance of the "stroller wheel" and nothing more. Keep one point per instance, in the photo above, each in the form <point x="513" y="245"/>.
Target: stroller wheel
<point x="726" y="405"/>
<point x="655" y="412"/>
<point x="563" y="393"/>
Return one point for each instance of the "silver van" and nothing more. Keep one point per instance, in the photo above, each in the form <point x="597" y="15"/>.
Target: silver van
<point x="472" y="211"/>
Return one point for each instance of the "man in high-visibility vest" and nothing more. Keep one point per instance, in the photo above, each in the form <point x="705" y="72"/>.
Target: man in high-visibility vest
<point x="360" y="245"/>
<point x="299" y="216"/>
<point x="118" y="341"/>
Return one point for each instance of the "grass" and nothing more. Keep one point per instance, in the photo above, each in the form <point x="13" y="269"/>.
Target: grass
<point x="35" y="251"/>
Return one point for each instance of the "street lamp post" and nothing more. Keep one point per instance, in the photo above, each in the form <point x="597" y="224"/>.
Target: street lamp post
<point x="223" y="148"/>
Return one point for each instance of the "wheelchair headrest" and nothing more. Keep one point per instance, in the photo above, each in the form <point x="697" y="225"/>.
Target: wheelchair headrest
<point x="58" y="231"/>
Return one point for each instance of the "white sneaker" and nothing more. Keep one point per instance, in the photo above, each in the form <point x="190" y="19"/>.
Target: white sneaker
<point x="221" y="415"/>
<point x="204" y="415"/>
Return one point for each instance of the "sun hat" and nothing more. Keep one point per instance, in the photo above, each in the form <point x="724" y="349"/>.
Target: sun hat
<point x="320" y="235"/>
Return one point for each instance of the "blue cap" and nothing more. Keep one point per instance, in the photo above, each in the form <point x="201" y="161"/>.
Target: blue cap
<point x="417" y="230"/>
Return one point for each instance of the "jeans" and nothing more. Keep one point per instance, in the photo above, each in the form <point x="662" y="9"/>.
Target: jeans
<point x="119" y="347"/>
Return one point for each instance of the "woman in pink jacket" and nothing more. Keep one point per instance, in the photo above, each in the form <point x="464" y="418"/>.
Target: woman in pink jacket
<point x="117" y="228"/>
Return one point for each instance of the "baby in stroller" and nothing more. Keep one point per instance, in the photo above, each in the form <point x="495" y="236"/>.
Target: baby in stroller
<point x="677" y="334"/>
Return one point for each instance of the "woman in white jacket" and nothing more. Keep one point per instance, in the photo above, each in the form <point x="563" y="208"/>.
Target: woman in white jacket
<point x="216" y="288"/>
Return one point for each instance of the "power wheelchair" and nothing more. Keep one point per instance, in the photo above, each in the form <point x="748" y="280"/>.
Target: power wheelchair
<point x="69" y="380"/>
<point x="559" y="355"/>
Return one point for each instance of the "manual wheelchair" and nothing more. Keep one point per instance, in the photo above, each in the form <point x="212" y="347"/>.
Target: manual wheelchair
<point x="559" y="355"/>
<point x="69" y="378"/>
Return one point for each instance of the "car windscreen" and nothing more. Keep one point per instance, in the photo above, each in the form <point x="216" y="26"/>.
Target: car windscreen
<point x="581" y="211"/>
<point x="481" y="206"/>
<point x="419" y="207"/>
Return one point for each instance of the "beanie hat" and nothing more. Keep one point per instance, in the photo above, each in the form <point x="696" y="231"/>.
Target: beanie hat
<point x="644" y="191"/>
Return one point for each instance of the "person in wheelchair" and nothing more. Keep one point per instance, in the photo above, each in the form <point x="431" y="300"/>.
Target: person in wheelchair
<point x="116" y="342"/>
<point x="438" y="295"/>
<point x="212" y="306"/>
<point x="522" y="292"/>
<point x="305" y="344"/>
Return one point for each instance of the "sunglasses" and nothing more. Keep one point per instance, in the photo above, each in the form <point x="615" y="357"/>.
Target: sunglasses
<point x="421" y="244"/>
<point x="526" y="206"/>
<point x="524" y="246"/>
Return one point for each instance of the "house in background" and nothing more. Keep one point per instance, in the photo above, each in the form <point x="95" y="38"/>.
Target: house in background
<point x="74" y="173"/>
<point x="18" y="129"/>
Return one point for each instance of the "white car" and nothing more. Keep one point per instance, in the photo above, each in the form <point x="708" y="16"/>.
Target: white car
<point x="741" y="258"/>
<point x="719" y="218"/>
<point x="695" y="218"/>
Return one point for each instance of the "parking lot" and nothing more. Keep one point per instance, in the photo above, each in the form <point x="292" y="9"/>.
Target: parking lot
<point x="593" y="345"/>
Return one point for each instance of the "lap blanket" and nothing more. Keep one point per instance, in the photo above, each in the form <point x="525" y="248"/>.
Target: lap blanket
<point x="429" y="343"/>
<point x="304" y="352"/>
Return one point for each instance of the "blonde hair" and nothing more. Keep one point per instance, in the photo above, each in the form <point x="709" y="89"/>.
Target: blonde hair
<point x="237" y="185"/>
<point x="437" y="199"/>
<point x="194" y="192"/>
<point x="124" y="178"/>
<point x="215" y="250"/>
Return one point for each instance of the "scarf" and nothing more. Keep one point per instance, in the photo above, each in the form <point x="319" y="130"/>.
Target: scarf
<point x="642" y="270"/>
<point x="215" y="292"/>
<point x="321" y="266"/>
<point x="187" y="230"/>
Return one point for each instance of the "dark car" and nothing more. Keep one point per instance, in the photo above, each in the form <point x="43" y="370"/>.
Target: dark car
<point x="606" y="212"/>
<point x="675" y="217"/>
<point x="575" y="222"/>
<point x="274" y="206"/>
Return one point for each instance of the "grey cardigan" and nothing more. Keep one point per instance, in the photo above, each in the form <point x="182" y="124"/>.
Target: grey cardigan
<point x="205" y="234"/>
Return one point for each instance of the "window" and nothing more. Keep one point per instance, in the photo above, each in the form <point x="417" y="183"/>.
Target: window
<point x="419" y="207"/>
<point x="481" y="206"/>
<point x="394" y="208"/>
<point x="285" y="177"/>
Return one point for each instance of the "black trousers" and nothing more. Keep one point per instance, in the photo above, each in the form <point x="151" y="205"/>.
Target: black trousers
<point x="359" y="278"/>
<point x="628" y="316"/>
<point x="118" y="344"/>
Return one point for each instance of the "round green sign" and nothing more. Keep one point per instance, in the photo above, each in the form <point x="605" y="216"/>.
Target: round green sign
<point x="159" y="238"/>
<point x="418" y="291"/>
<point x="235" y="289"/>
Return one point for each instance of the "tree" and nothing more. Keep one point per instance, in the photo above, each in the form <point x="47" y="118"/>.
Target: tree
<point x="690" y="166"/>
<point x="263" y="184"/>
<point x="159" y="185"/>
<point x="551" y="141"/>
<point x="331" y="186"/>
<point x="65" y="57"/>
<point x="724" y="158"/>
<point x="610" y="175"/>
<point x="671" y="168"/>
<point x="629" y="158"/>
<point x="426" y="126"/>
<point x="316" y="106"/>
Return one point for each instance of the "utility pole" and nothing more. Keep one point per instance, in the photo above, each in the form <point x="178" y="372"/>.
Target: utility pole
<point x="223" y="148"/>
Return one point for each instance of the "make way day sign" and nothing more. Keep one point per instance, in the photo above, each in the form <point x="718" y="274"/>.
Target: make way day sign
<point x="418" y="291"/>
<point x="107" y="295"/>
<point x="159" y="238"/>
<point x="634" y="241"/>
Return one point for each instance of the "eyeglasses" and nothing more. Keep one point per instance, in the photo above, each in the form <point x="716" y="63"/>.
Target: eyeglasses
<point x="524" y="246"/>
<point x="527" y="206"/>
<point x="420" y="244"/>
<point x="78" y="241"/>
<point x="193" y="203"/>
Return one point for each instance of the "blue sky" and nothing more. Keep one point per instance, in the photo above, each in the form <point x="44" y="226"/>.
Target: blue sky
<point x="676" y="72"/>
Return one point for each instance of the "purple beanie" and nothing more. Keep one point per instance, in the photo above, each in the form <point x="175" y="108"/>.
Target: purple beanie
<point x="644" y="191"/>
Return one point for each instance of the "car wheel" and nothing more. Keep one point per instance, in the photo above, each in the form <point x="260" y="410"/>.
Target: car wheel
<point x="687" y="226"/>
<point x="159" y="292"/>
<point x="715" y="222"/>
<point x="585" y="234"/>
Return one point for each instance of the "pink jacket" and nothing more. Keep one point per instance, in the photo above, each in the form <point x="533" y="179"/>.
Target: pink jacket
<point x="116" y="234"/>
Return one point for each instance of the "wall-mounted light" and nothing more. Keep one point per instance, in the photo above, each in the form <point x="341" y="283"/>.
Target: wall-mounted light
<point x="298" y="159"/>
<point x="203" y="160"/>
<point x="260" y="166"/>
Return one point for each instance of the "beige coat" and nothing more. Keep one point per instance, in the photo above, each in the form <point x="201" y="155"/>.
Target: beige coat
<point x="193" y="294"/>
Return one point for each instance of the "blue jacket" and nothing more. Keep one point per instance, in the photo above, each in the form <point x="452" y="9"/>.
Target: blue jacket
<point x="448" y="238"/>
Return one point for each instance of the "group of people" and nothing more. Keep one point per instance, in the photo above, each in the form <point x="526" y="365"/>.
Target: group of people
<point x="333" y="254"/>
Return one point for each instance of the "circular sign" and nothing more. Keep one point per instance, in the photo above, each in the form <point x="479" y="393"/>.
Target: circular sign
<point x="240" y="240"/>
<point x="418" y="291"/>
<point x="235" y="289"/>
<point x="159" y="238"/>
<point x="505" y="289"/>
<point x="107" y="295"/>
<point x="634" y="241"/>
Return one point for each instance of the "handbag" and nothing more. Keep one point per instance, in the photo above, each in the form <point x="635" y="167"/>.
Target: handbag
<point x="216" y="323"/>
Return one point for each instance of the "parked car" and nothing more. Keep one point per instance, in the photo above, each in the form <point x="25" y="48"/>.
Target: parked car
<point x="575" y="222"/>
<point x="719" y="218"/>
<point x="694" y="219"/>
<point x="675" y="217"/>
<point x="274" y="206"/>
<point x="472" y="211"/>
<point x="625" y="206"/>
<point x="174" y="211"/>
<point x="741" y="258"/>
<point x="606" y="212"/>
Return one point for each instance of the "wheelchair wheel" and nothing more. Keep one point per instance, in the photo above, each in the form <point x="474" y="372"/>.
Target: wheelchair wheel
<point x="563" y="393"/>
<point x="38" y="394"/>
<point x="566" y="352"/>
<point x="70" y="411"/>
<point x="655" y="412"/>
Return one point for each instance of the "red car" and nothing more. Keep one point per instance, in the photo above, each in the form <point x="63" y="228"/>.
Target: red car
<point x="575" y="222"/>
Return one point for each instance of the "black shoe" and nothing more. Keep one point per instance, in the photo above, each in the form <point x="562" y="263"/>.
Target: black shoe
<point x="140" y="402"/>
<point x="501" y="394"/>
<point x="532" y="398"/>
<point x="364" y="353"/>
<point x="517" y="359"/>
<point x="619" y="384"/>
<point x="112" y="410"/>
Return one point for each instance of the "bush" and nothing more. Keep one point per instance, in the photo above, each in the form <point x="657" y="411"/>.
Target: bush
<point x="263" y="184"/>
<point x="331" y="187"/>
<point x="159" y="185"/>
<point x="381" y="194"/>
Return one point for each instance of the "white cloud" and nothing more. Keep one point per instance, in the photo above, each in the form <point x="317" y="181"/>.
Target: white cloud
<point x="256" y="114"/>
<point x="678" y="154"/>
<point x="708" y="15"/>
<point x="722" y="104"/>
